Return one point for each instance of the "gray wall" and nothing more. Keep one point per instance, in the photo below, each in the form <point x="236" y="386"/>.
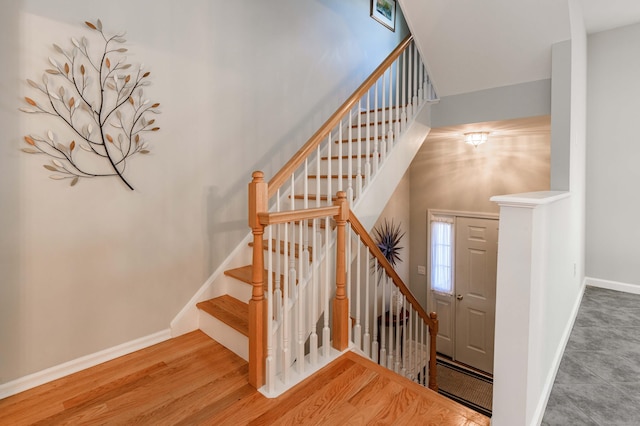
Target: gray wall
<point x="613" y="155"/>
<point x="501" y="103"/>
<point x="242" y="85"/>
<point x="560" y="115"/>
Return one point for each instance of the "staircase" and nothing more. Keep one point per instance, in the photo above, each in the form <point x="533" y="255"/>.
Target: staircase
<point x="274" y="310"/>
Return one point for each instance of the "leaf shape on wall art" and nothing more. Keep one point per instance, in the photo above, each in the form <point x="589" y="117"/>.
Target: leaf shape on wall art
<point x="86" y="91"/>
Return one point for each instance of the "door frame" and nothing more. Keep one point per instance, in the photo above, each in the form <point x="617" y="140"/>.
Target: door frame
<point x="430" y="293"/>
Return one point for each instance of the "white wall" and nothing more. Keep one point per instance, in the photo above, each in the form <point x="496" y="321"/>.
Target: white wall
<point x="242" y="85"/>
<point x="612" y="156"/>
<point x="541" y="269"/>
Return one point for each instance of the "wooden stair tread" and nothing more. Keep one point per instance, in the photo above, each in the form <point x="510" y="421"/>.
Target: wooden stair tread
<point x="346" y="157"/>
<point x="332" y="176"/>
<point x="313" y="197"/>
<point x="265" y="245"/>
<point x="364" y="139"/>
<point x="245" y="273"/>
<point x="229" y="310"/>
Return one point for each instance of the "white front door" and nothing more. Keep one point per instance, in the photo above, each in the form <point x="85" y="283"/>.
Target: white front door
<point x="476" y="252"/>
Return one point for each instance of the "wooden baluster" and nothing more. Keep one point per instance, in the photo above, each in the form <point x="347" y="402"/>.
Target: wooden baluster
<point x="340" y="157"/>
<point x="326" y="331"/>
<point x="357" y="329"/>
<point x="301" y="300"/>
<point x="313" y="336"/>
<point x="399" y="330"/>
<point x="359" y="161"/>
<point x="433" y="334"/>
<point x="375" y="130"/>
<point x="350" y="190"/>
<point x="415" y="80"/>
<point x="286" y="332"/>
<point x="270" y="363"/>
<point x="391" y="323"/>
<point x="410" y="347"/>
<point x="383" y="313"/>
<point x="367" y="301"/>
<point x="383" y="143"/>
<point x="375" y="346"/>
<point x="329" y="190"/>
<point x="403" y="115"/>
<point x="341" y="301"/>
<point x="396" y="125"/>
<point x="390" y="137"/>
<point x="410" y="84"/>
<point x="258" y="203"/>
<point x="367" y="167"/>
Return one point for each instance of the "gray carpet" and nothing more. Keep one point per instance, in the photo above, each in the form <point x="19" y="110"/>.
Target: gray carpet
<point x="472" y="390"/>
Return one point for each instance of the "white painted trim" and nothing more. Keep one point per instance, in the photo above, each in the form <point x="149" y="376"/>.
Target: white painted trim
<point x="82" y="363"/>
<point x="529" y="200"/>
<point x="613" y="285"/>
<point x="557" y="359"/>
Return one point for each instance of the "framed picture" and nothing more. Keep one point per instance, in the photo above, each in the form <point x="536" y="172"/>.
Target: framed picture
<point x="384" y="11"/>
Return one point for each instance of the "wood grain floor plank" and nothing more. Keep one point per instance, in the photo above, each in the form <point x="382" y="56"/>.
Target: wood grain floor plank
<point x="195" y="380"/>
<point x="324" y="400"/>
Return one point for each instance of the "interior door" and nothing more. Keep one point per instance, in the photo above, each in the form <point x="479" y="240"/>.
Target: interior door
<point x="476" y="254"/>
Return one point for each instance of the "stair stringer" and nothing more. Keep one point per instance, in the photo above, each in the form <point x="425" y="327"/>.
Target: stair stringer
<point x="382" y="186"/>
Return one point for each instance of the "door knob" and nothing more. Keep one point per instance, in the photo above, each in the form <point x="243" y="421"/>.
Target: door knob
<point x="459" y="297"/>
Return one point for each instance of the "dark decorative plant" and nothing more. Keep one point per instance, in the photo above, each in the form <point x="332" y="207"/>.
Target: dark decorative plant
<point x="387" y="236"/>
<point x="99" y="97"/>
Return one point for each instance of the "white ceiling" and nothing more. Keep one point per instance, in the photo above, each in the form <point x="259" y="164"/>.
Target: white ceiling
<point x="472" y="45"/>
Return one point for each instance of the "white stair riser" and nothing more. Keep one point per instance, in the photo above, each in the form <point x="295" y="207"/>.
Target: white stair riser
<point x="233" y="340"/>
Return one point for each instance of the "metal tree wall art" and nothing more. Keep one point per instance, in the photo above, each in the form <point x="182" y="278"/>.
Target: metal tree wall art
<point x="98" y="97"/>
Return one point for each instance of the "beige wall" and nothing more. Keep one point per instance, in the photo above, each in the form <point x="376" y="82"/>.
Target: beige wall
<point x="242" y="85"/>
<point x="448" y="174"/>
<point x="397" y="210"/>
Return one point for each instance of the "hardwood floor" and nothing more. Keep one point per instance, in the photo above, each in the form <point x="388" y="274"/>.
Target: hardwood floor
<point x="193" y="380"/>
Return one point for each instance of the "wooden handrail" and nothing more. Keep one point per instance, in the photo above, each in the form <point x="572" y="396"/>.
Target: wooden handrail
<point x="274" y="218"/>
<point x="359" y="229"/>
<point x="430" y="319"/>
<point x="281" y="177"/>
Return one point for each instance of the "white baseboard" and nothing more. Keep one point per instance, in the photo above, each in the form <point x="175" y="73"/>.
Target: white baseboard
<point x="613" y="285"/>
<point x="557" y="358"/>
<point x="82" y="363"/>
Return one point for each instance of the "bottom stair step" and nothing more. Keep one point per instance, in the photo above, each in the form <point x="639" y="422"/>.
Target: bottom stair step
<point x="229" y="310"/>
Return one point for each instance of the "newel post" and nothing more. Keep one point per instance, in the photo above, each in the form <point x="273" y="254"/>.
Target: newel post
<point x="433" y="334"/>
<point x="341" y="302"/>
<point x="258" y="202"/>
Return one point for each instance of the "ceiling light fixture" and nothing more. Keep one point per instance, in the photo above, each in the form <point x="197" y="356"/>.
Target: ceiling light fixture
<point x="476" y="138"/>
